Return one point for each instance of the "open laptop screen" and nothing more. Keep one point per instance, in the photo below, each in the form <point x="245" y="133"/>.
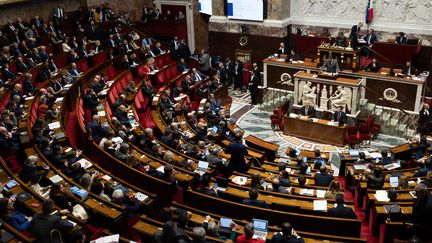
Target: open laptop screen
<point x="260" y="225"/>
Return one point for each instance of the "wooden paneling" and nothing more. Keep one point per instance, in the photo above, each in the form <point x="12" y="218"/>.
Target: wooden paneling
<point x="224" y="44"/>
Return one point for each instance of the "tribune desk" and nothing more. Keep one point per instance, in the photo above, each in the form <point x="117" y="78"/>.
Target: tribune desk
<point x="317" y="130"/>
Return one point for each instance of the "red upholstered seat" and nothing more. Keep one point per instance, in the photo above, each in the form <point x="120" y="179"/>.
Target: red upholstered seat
<point x="352" y="136"/>
<point x="374" y="128"/>
<point x="364" y="133"/>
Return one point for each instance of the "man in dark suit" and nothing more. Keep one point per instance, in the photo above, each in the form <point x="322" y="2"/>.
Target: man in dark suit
<point x="282" y="49"/>
<point x="373" y="66"/>
<point x="21" y="67"/>
<point x="255" y="81"/>
<point x="307" y="110"/>
<point x="37" y="21"/>
<point x="98" y="132"/>
<point x="222" y="73"/>
<point x="183" y="50"/>
<point x="401" y="39"/>
<point x="340" y="211"/>
<point x="42" y="224"/>
<point x="59" y="15"/>
<point x="331" y="65"/>
<point x="8" y="74"/>
<point x="174" y="48"/>
<point x="253" y="199"/>
<point x="354" y="35"/>
<point x="323" y="178"/>
<point x="339" y="116"/>
<point x="408" y="69"/>
<point x="422" y="211"/>
<point x="238" y="75"/>
<point x="370" y="39"/>
<point x="425" y="120"/>
<point x="238" y="151"/>
<point x="205" y="186"/>
<point x="182" y="66"/>
<point x="288" y="235"/>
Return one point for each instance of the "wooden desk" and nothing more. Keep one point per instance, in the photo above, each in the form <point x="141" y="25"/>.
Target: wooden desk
<point x="270" y="149"/>
<point x="346" y="57"/>
<point x="318" y="131"/>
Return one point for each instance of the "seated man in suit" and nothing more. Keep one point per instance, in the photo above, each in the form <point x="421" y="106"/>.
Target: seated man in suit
<point x="197" y="76"/>
<point x="341" y="40"/>
<point x="288" y="235"/>
<point x="98" y="132"/>
<point x="7" y="74"/>
<point x="282" y="50"/>
<point x="293" y="56"/>
<point x="331" y="65"/>
<point x="182" y="66"/>
<point x="253" y="199"/>
<point x="408" y="69"/>
<point x="339" y="116"/>
<point x="401" y="39"/>
<point x="307" y="110"/>
<point x="340" y="211"/>
<point x="373" y="66"/>
<point x="276" y="187"/>
<point x="205" y="186"/>
<point x="73" y="71"/>
<point x="323" y="178"/>
<point x="45" y="222"/>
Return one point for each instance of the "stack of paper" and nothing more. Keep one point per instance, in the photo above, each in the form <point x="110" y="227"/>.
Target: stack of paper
<point x="107" y="239"/>
<point x="381" y="196"/>
<point x="140" y="196"/>
<point x="56" y="179"/>
<point x="321" y="193"/>
<point x="320" y="205"/>
<point x="307" y="192"/>
<point x="240" y="180"/>
<point x="85" y="164"/>
<point x="54" y="125"/>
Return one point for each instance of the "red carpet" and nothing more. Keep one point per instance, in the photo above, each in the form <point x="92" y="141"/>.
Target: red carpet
<point x="365" y="232"/>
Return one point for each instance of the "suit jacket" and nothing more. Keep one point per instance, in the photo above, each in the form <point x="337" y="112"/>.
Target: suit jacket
<point x="332" y="66"/>
<point x="371" y="39"/>
<point x="182" y="67"/>
<point x="323" y="180"/>
<point x="407" y="69"/>
<point x="424" y="117"/>
<point x="238" y="151"/>
<point x="7" y="74"/>
<point x="255" y="80"/>
<point x="401" y="40"/>
<point x="42" y="225"/>
<point x="256" y="203"/>
<point x="310" y="111"/>
<point x="354" y="32"/>
<point x="184" y="51"/>
<point x="197" y="76"/>
<point x="22" y="67"/>
<point x="340" y="211"/>
<point x="97" y="130"/>
<point x="283" y="51"/>
<point x="342" y="118"/>
<point x="204" y="62"/>
<point x="279" y="238"/>
<point x="372" y="68"/>
<point x="206" y="191"/>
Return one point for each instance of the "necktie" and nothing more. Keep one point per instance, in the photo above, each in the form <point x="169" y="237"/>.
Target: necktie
<point x="339" y="115"/>
<point x="197" y="77"/>
<point x="38" y="23"/>
<point x="306" y="111"/>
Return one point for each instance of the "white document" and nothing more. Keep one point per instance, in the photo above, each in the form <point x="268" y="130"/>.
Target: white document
<point x="320" y="205"/>
<point x="381" y="196"/>
<point x="321" y="193"/>
<point x="117" y="140"/>
<point x="101" y="113"/>
<point x="85" y="164"/>
<point x="140" y="196"/>
<point x="161" y="169"/>
<point x="306" y="192"/>
<point x="56" y="179"/>
<point x="59" y="99"/>
<point x="54" y="125"/>
<point x="107" y="239"/>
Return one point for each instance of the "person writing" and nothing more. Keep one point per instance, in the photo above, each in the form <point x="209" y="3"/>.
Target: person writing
<point x="307" y="110"/>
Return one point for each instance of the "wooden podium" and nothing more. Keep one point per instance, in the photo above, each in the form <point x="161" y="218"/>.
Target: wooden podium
<point x="347" y="58"/>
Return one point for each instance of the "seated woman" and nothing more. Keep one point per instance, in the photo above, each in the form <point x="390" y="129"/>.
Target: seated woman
<point x="13" y="217"/>
<point x="333" y="190"/>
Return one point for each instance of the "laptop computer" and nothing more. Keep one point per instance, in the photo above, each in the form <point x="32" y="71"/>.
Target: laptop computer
<point x="214" y="130"/>
<point x="260" y="227"/>
<point x="354" y="153"/>
<point x="202" y="167"/>
<point x="386" y="160"/>
<point x="225" y="223"/>
<point x="305" y="159"/>
<point x="394" y="181"/>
